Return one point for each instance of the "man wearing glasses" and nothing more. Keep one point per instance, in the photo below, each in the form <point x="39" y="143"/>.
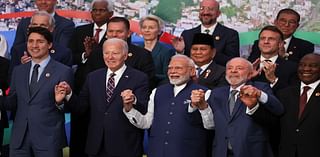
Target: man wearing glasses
<point x="287" y="21"/>
<point x="226" y="40"/>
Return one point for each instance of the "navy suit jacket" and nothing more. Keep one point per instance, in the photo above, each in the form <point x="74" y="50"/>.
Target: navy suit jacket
<point x="58" y="52"/>
<point x="226" y="42"/>
<point x="37" y="114"/>
<point x="248" y="138"/>
<point x="213" y="76"/>
<point x="297" y="49"/>
<point x="299" y="135"/>
<point x="108" y="124"/>
<point x="61" y="34"/>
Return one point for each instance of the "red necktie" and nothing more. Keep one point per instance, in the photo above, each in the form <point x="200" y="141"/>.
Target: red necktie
<point x="96" y="36"/>
<point x="303" y="100"/>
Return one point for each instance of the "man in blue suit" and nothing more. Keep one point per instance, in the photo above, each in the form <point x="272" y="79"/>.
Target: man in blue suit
<point x="38" y="129"/>
<point x="110" y="133"/>
<point x="228" y="111"/>
<point x="59" y="52"/>
<point x="226" y="40"/>
<point x="63" y="27"/>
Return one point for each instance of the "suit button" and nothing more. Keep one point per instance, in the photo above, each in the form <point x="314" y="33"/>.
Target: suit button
<point x="171" y="113"/>
<point x="166" y="143"/>
<point x="169" y="123"/>
<point x="297" y="130"/>
<point x="106" y="113"/>
<point x="172" y="103"/>
<point x="167" y="132"/>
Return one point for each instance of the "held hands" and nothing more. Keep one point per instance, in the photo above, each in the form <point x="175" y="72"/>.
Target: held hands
<point x="25" y="58"/>
<point x="178" y="44"/>
<point x="198" y="100"/>
<point x="61" y="91"/>
<point x="249" y="95"/>
<point x="128" y="99"/>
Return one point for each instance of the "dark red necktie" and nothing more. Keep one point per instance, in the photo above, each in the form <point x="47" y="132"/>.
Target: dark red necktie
<point x="303" y="100"/>
<point x="96" y="36"/>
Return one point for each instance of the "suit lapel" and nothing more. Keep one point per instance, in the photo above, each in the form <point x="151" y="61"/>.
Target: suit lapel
<point x="313" y="100"/>
<point x="26" y="78"/>
<point x="121" y="85"/>
<point x="224" y="102"/>
<point x="47" y="73"/>
<point x="292" y="46"/>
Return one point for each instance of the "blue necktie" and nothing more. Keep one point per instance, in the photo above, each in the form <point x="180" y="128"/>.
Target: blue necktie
<point x="34" y="79"/>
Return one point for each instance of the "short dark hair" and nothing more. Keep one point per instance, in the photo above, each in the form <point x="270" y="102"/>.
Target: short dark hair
<point x="120" y="19"/>
<point x="42" y="31"/>
<point x="273" y="29"/>
<point x="289" y="11"/>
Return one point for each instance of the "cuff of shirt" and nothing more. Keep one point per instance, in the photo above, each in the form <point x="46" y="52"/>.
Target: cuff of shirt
<point x="253" y="110"/>
<point x="274" y="82"/>
<point x="131" y="115"/>
<point x="263" y="97"/>
<point x="83" y="59"/>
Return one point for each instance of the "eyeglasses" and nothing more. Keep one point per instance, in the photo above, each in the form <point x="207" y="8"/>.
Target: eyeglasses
<point x="203" y="8"/>
<point x="99" y="10"/>
<point x="285" y="22"/>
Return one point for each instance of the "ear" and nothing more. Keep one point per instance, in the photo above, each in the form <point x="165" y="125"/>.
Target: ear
<point x="50" y="45"/>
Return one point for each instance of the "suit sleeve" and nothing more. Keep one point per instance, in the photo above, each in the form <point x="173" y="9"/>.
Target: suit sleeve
<point x="231" y="49"/>
<point x="273" y="105"/>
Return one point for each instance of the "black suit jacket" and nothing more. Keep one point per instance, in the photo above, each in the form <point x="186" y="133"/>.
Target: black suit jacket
<point x="61" y="34"/>
<point x="226" y="43"/>
<point x="213" y="76"/>
<point x="108" y="126"/>
<point x="299" y="135"/>
<point x="4" y="67"/>
<point x="297" y="49"/>
<point x="286" y="71"/>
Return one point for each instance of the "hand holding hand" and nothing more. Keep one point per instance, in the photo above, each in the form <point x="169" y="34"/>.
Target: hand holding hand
<point x="61" y="91"/>
<point x="128" y="99"/>
<point x="249" y="95"/>
<point x="198" y="100"/>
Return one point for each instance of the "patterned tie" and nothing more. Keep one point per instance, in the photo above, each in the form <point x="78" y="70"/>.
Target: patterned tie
<point x="207" y="31"/>
<point x="199" y="70"/>
<point x="303" y="100"/>
<point x="34" y="79"/>
<point x="110" y="86"/>
<point x="96" y="36"/>
<point x="232" y="101"/>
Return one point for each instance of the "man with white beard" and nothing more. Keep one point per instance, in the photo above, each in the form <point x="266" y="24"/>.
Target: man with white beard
<point x="175" y="130"/>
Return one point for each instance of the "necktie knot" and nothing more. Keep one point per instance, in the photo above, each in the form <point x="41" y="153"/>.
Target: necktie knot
<point x="207" y="31"/>
<point x="112" y="75"/>
<point x="306" y="88"/>
<point x="199" y="70"/>
<point x="36" y="67"/>
<point x="233" y="92"/>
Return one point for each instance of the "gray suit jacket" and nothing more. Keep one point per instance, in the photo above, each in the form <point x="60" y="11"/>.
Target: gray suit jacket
<point x="37" y="114"/>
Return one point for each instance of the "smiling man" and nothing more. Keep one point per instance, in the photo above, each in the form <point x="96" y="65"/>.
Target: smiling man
<point x="40" y="131"/>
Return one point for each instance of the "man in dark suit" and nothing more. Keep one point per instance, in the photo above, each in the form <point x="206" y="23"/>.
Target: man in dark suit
<point x="168" y="117"/>
<point x="226" y="40"/>
<point x="84" y="38"/>
<point x="4" y="67"/>
<point x="110" y="133"/>
<point x="138" y="58"/>
<point x="287" y="21"/>
<point x="228" y="111"/>
<point x="63" y="27"/>
<point x="271" y="68"/>
<point x="300" y="125"/>
<point x="203" y="51"/>
<point x="38" y="129"/>
<point x="59" y="52"/>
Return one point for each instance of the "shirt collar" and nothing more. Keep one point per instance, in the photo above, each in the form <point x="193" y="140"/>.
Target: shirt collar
<point x="204" y="67"/>
<point x="43" y="63"/>
<point x="103" y="27"/>
<point x="119" y="72"/>
<point x="212" y="28"/>
<point x="287" y="41"/>
<point x="177" y="89"/>
<point x="272" y="59"/>
<point x="311" y="85"/>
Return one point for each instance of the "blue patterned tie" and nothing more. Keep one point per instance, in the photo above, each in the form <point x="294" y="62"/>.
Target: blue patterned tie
<point x="110" y="86"/>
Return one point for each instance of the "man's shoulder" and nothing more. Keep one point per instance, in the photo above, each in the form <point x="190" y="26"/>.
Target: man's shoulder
<point x="62" y="20"/>
<point x="224" y="29"/>
<point x="192" y="30"/>
<point x="85" y="27"/>
<point x="135" y="49"/>
<point x="302" y="42"/>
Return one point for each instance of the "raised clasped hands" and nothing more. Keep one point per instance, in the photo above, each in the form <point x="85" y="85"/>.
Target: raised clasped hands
<point x="249" y="95"/>
<point x="61" y="90"/>
<point x="128" y="99"/>
<point x="198" y="99"/>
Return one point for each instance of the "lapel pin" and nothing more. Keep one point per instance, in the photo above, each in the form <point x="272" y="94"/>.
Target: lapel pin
<point x="47" y="75"/>
<point x="52" y="51"/>
<point x="294" y="47"/>
<point x="130" y="54"/>
<point x="217" y="37"/>
<point x="318" y="94"/>
<point x="126" y="76"/>
<point x="290" y="52"/>
<point x="208" y="71"/>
